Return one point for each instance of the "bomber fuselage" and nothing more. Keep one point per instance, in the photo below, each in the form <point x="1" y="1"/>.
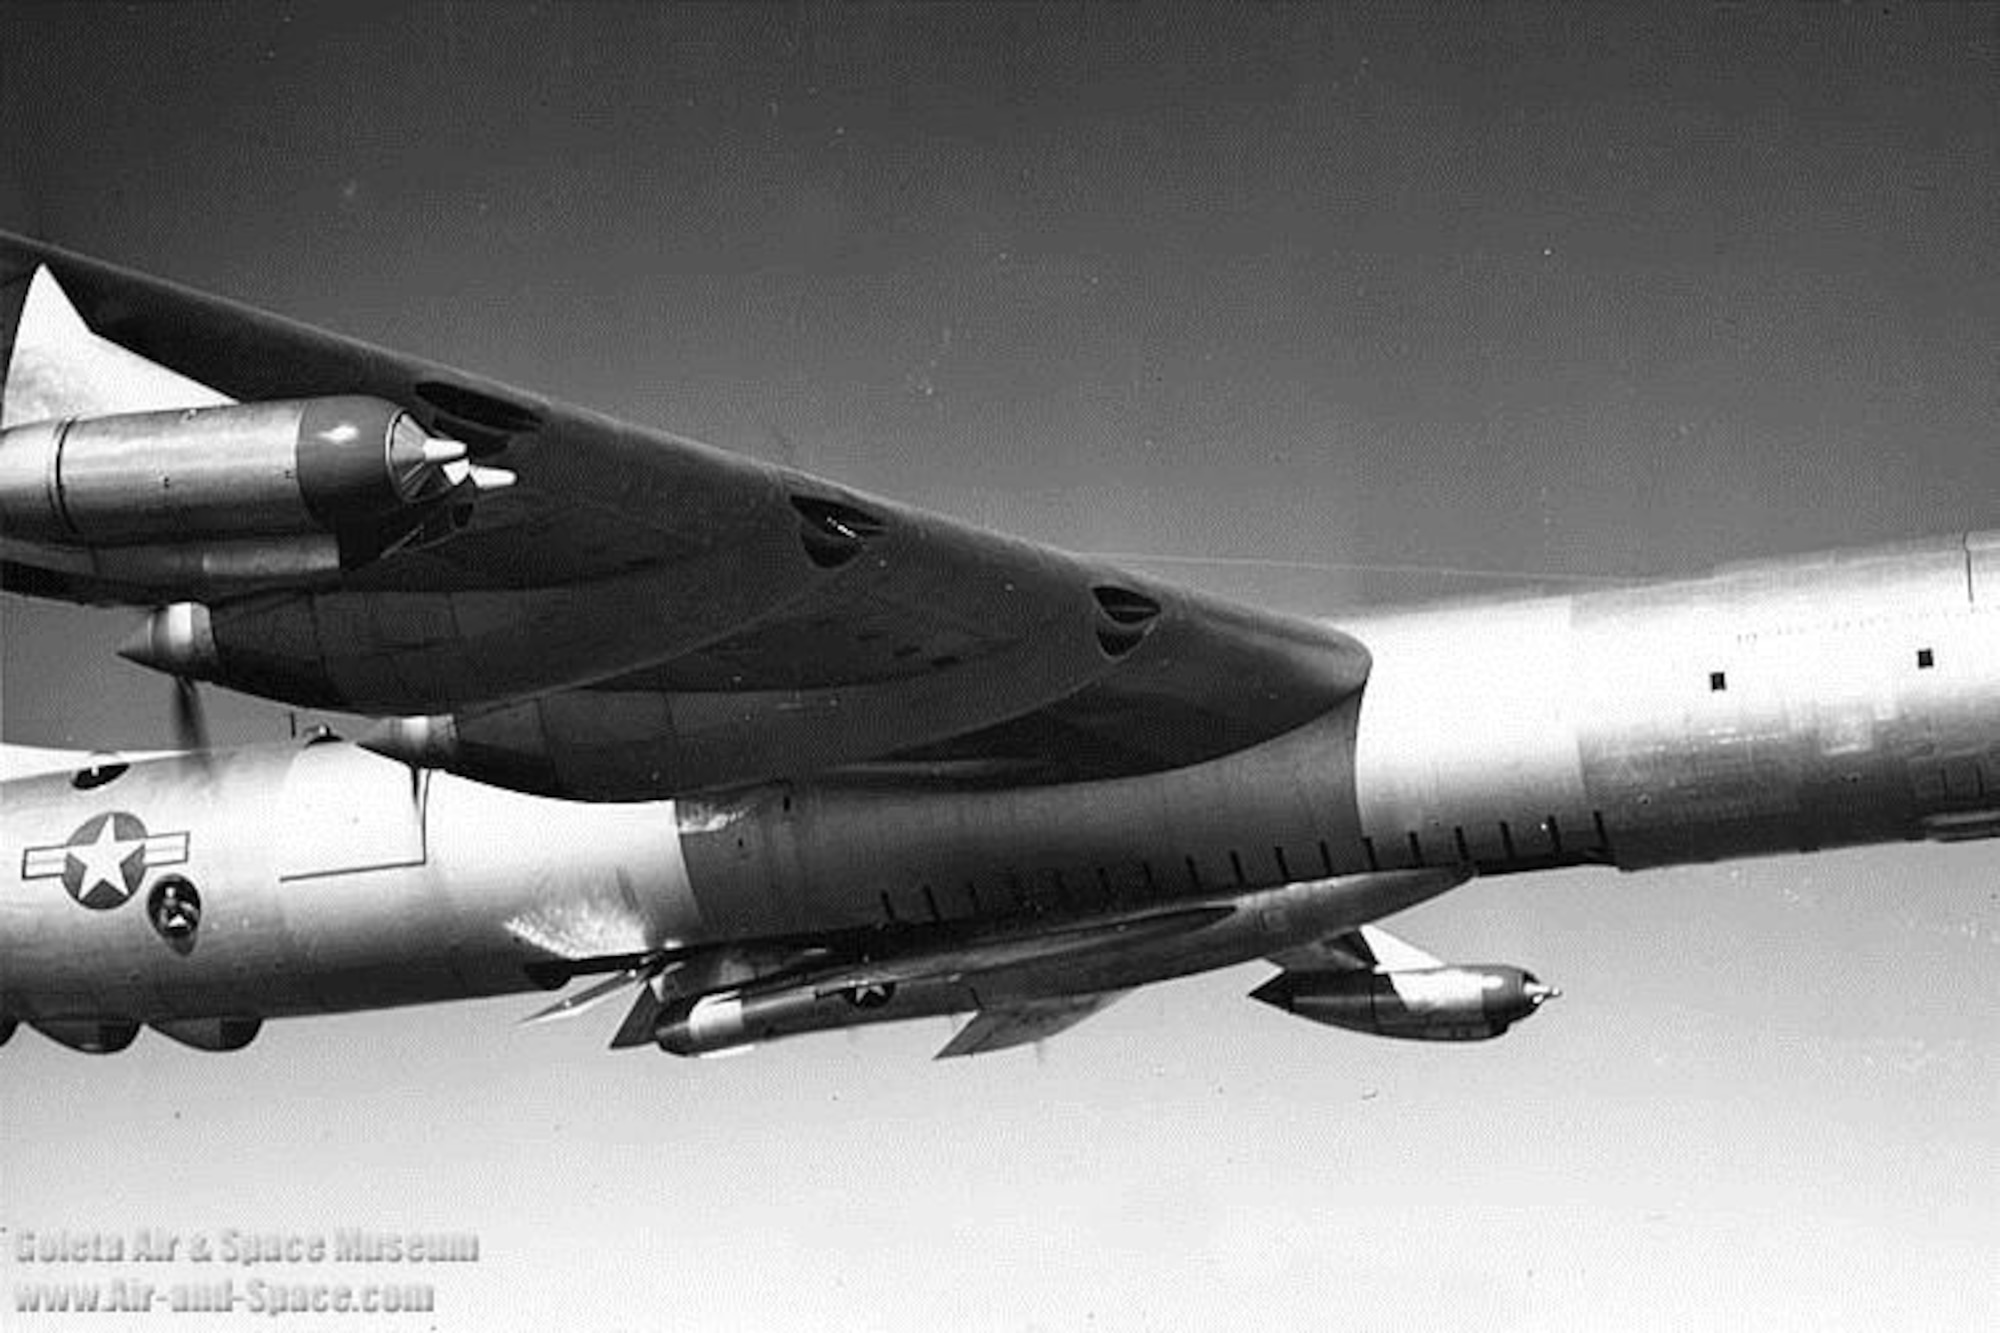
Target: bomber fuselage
<point x="1784" y="707"/>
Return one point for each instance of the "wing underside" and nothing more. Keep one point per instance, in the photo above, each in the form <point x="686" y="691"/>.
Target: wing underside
<point x="640" y="614"/>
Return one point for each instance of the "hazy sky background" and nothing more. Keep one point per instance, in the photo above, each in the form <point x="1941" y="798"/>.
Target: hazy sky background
<point x="1581" y="290"/>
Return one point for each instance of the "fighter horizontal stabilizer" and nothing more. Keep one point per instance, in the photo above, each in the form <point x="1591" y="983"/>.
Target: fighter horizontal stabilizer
<point x="1023" y="1021"/>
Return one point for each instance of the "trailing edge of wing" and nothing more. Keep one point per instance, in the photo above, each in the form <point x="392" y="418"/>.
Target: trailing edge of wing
<point x="642" y="615"/>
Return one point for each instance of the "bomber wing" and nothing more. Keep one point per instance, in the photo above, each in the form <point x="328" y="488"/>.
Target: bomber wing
<point x="644" y="615"/>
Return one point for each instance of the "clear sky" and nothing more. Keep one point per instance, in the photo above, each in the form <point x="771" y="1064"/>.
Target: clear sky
<point x="1563" y="291"/>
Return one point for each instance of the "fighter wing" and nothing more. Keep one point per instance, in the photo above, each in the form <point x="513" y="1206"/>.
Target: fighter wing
<point x="1019" y="1022"/>
<point x="1365" y="949"/>
<point x="640" y="614"/>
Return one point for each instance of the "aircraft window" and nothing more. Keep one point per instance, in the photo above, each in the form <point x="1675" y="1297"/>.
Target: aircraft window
<point x="174" y="908"/>
<point x="1925" y="659"/>
<point x="99" y="774"/>
<point x="1718" y="681"/>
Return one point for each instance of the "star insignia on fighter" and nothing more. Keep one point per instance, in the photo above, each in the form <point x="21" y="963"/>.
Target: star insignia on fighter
<point x="105" y="861"/>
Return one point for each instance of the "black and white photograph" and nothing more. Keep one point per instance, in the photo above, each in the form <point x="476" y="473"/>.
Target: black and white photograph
<point x="1000" y="666"/>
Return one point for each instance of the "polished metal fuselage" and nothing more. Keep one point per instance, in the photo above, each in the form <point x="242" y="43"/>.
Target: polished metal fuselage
<point x="1791" y="706"/>
<point x="1785" y="706"/>
<point x="330" y="879"/>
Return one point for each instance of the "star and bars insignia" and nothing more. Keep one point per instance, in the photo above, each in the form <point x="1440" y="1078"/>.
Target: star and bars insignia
<point x="105" y="861"/>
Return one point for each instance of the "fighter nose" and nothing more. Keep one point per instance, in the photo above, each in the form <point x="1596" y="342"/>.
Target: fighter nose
<point x="1537" y="993"/>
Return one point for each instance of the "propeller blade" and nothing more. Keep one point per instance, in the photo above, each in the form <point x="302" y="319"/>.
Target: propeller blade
<point x="190" y="719"/>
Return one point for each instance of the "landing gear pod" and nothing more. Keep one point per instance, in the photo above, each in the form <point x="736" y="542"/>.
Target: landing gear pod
<point x="211" y="1034"/>
<point x="174" y="908"/>
<point x="91" y="1036"/>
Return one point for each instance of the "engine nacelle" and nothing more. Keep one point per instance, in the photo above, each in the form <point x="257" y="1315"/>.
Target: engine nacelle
<point x="211" y="1034"/>
<point x="360" y="471"/>
<point x="1468" y="1003"/>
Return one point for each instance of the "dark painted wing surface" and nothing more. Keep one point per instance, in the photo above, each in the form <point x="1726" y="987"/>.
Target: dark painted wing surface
<point x="761" y="622"/>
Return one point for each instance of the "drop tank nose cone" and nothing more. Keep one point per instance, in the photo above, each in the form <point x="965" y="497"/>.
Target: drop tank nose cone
<point x="177" y="639"/>
<point x="1539" y="995"/>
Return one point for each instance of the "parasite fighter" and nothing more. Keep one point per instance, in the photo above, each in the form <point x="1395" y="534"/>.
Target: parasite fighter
<point x="764" y="755"/>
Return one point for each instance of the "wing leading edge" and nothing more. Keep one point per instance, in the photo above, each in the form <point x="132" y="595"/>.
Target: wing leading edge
<point x="643" y="615"/>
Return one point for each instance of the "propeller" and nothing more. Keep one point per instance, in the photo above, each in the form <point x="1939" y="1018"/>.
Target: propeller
<point x="190" y="718"/>
<point x="176" y="641"/>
